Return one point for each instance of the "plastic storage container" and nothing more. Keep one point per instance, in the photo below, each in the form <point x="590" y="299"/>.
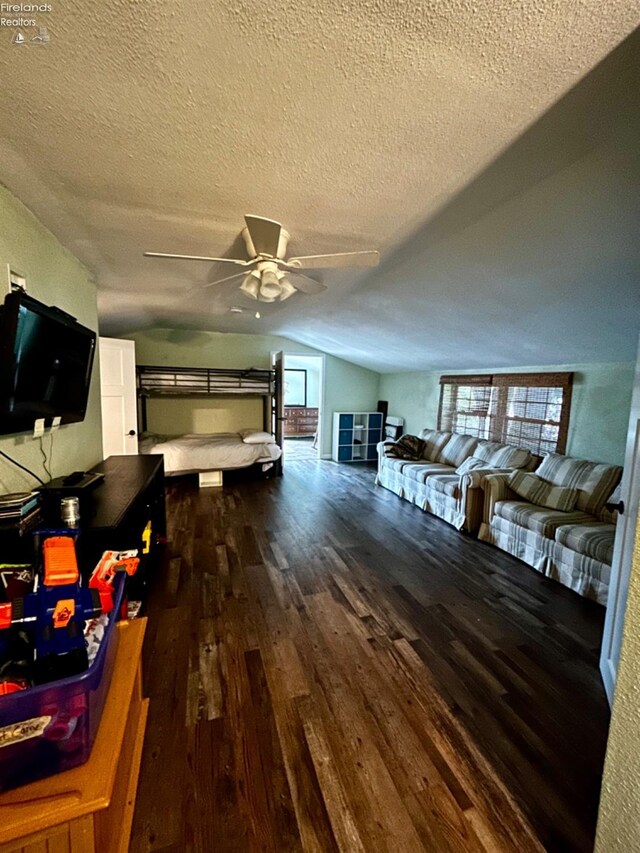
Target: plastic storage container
<point x="52" y="727"/>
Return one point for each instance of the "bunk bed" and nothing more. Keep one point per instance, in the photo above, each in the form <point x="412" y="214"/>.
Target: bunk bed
<point x="210" y="455"/>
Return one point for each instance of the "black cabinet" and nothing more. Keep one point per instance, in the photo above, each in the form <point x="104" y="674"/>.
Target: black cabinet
<point x="127" y="510"/>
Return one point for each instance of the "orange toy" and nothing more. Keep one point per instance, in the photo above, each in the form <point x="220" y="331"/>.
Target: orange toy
<point x="60" y="563"/>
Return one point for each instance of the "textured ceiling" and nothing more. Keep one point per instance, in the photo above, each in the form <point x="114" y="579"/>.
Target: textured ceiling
<point x="358" y="125"/>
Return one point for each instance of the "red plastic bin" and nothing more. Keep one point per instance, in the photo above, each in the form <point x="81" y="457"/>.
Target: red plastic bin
<point x="52" y="727"/>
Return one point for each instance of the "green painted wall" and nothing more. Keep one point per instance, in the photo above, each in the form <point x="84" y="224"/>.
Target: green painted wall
<point x="347" y="387"/>
<point x="56" y="277"/>
<point x="599" y="407"/>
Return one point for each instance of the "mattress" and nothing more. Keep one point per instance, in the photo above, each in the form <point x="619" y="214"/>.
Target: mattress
<point x="213" y="452"/>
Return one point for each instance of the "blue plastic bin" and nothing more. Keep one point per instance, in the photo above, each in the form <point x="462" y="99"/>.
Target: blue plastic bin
<point x="52" y="727"/>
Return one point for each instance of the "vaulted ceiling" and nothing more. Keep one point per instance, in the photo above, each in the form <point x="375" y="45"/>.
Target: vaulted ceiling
<point x="468" y="141"/>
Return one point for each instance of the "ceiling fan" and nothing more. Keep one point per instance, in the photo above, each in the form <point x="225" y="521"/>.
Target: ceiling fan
<point x="268" y="276"/>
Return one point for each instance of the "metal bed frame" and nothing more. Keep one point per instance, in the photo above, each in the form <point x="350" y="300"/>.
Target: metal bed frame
<point x="158" y="381"/>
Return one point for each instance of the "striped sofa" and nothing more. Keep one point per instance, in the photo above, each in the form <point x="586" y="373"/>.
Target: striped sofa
<point x="574" y="547"/>
<point x="436" y="484"/>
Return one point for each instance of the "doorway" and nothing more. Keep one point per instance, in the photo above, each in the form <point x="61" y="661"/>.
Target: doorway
<point x="303" y="406"/>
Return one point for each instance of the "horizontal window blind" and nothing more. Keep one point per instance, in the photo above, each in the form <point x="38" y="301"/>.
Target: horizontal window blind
<point x="524" y="409"/>
<point x="465" y="405"/>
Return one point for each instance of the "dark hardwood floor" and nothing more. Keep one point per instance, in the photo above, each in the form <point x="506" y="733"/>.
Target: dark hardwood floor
<point x="330" y="668"/>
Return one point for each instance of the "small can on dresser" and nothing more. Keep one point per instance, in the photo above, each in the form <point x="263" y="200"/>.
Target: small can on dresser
<point x="70" y="512"/>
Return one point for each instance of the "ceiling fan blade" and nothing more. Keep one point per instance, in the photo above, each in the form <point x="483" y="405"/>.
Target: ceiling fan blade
<point x="341" y="259"/>
<point x="198" y="258"/>
<point x="202" y="287"/>
<point x="222" y="280"/>
<point x="265" y="235"/>
<point x="307" y="285"/>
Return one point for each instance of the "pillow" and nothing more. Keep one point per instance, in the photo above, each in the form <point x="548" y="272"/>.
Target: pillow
<point x="457" y="449"/>
<point x="596" y="485"/>
<point x="470" y="463"/>
<point x="254" y="436"/>
<point x="561" y="470"/>
<point x="594" y="480"/>
<point x="434" y="441"/>
<point x="503" y="455"/>
<point x="406" y="447"/>
<point x="541" y="493"/>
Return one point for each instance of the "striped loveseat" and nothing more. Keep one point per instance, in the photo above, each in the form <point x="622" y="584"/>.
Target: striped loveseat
<point x="557" y="522"/>
<point x="447" y="480"/>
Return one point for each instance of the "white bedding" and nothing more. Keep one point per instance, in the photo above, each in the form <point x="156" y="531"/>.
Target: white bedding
<point x="218" y="451"/>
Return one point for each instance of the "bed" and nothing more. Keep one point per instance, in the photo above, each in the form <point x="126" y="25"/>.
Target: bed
<point x="210" y="455"/>
<point x="223" y="451"/>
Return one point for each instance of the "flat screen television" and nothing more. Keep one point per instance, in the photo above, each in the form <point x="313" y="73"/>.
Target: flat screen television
<point x="46" y="358"/>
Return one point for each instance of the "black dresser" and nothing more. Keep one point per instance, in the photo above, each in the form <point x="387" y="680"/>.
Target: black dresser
<point x="126" y="511"/>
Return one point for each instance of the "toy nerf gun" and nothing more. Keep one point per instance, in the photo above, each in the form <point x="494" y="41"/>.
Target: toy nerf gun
<point x="10" y="685"/>
<point x="104" y="573"/>
<point x="55" y="612"/>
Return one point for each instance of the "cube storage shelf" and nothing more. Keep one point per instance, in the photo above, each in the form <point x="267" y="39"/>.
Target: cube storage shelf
<point x="355" y="436"/>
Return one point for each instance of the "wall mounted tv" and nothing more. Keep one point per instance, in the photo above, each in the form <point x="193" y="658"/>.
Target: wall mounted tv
<point x="46" y="358"/>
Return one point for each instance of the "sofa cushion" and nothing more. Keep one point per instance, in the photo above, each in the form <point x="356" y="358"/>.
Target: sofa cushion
<point x="593" y="540"/>
<point x="538" y="519"/>
<point x="446" y="484"/>
<point x="597" y="484"/>
<point x="561" y="470"/>
<point x="537" y="491"/>
<point x="393" y="464"/>
<point x="419" y="471"/>
<point x="457" y="449"/>
<point x="502" y="455"/>
<point x="470" y="463"/>
<point x="610" y="515"/>
<point x="406" y="447"/>
<point x="434" y="441"/>
<point x="595" y="481"/>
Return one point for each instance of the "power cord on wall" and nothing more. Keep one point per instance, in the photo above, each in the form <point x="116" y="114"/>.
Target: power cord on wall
<point x="44" y="456"/>
<point x="24" y="468"/>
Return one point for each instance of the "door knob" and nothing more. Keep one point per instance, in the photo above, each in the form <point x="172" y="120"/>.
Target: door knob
<point x="131" y="432"/>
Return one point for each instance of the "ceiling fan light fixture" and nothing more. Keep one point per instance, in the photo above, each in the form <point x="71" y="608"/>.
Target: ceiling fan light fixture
<point x="269" y="286"/>
<point x="286" y="288"/>
<point x="251" y="285"/>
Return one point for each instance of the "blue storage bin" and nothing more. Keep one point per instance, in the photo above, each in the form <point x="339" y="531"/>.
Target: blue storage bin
<point x="372" y="452"/>
<point x="344" y="454"/>
<point x="52" y="727"/>
<point x="345" y="436"/>
<point x="346" y="421"/>
<point x="375" y="420"/>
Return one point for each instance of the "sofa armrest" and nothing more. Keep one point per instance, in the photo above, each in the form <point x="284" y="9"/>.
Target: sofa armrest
<point x="472" y="496"/>
<point x="381" y="450"/>
<point x="474" y="479"/>
<point x="496" y="488"/>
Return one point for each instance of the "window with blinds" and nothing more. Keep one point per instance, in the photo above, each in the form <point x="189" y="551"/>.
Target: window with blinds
<point x="525" y="409"/>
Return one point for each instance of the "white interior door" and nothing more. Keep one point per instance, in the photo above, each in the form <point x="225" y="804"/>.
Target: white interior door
<point x="119" y="403"/>
<point x="623" y="550"/>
